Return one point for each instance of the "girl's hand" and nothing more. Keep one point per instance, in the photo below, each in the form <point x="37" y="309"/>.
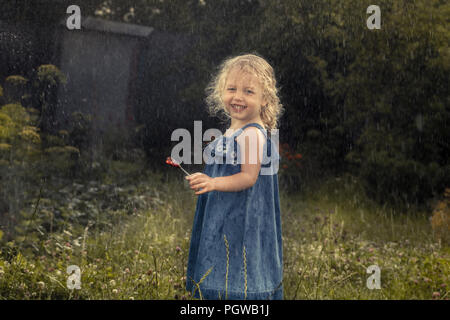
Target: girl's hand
<point x="201" y="181"/>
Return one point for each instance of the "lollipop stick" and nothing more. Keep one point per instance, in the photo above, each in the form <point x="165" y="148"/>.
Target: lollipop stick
<point x="174" y="163"/>
<point x="187" y="173"/>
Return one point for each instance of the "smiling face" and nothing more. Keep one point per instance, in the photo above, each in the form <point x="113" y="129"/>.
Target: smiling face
<point x="243" y="97"/>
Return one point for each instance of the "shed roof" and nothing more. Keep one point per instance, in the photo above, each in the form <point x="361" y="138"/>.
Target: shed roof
<point x="102" y="25"/>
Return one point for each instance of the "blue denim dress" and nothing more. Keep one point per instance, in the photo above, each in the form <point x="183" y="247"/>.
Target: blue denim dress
<point x="236" y="247"/>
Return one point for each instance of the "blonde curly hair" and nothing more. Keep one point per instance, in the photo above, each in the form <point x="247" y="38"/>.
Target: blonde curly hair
<point x="262" y="70"/>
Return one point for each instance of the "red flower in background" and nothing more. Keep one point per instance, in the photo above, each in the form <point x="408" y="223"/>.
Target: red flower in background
<point x="291" y="157"/>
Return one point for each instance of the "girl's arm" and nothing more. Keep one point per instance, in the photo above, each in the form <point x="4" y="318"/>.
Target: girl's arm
<point x="251" y="143"/>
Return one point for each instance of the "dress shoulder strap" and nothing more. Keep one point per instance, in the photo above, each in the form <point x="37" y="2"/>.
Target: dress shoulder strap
<point x="267" y="135"/>
<point x="253" y="124"/>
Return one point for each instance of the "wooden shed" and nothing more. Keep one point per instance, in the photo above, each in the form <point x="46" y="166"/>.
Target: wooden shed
<point x="100" y="62"/>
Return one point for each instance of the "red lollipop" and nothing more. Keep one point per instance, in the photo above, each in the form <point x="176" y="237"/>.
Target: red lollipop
<point x="173" y="163"/>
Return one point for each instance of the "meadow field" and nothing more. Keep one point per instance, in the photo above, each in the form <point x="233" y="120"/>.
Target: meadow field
<point x="131" y="241"/>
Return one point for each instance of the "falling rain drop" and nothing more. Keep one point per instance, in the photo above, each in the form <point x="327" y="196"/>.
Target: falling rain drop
<point x="419" y="122"/>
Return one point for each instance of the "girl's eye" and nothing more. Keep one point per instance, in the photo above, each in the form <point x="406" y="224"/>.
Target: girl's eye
<point x="231" y="89"/>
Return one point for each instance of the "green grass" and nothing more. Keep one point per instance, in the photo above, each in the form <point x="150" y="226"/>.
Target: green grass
<point x="331" y="234"/>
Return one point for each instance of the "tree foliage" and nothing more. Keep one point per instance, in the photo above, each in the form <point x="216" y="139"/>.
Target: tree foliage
<point x="373" y="103"/>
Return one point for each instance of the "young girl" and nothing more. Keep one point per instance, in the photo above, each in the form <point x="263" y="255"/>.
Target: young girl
<point x="236" y="248"/>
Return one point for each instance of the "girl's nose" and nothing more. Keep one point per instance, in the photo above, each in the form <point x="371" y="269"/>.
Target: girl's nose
<point x="237" y="96"/>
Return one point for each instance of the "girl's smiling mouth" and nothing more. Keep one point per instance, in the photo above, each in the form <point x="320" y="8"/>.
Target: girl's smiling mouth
<point x="238" y="108"/>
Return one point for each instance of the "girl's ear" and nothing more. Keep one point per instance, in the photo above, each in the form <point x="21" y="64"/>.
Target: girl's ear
<point x="264" y="107"/>
<point x="264" y="101"/>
